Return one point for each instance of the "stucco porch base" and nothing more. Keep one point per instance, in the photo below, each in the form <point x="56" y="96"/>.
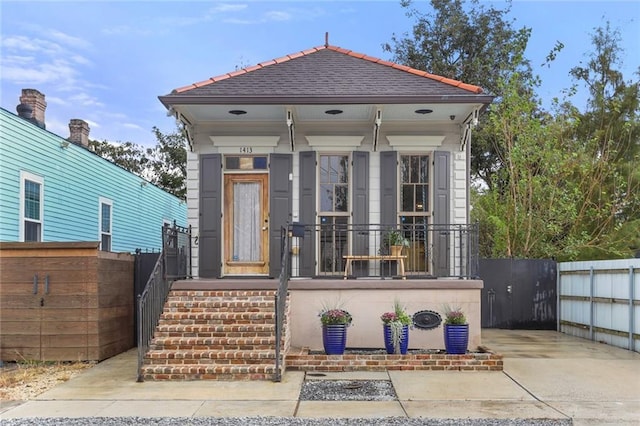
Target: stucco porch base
<point x="366" y="300"/>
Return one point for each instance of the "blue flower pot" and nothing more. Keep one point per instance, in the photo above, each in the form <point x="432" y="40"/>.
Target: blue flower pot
<point x="334" y="338"/>
<point x="388" y="340"/>
<point x="456" y="338"/>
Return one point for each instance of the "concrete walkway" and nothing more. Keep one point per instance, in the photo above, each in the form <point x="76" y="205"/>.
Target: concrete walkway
<point x="546" y="375"/>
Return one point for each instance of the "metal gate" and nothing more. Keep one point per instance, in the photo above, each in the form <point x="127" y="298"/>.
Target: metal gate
<point x="518" y="293"/>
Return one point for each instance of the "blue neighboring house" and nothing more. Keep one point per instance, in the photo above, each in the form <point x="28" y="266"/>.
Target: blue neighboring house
<point x="56" y="189"/>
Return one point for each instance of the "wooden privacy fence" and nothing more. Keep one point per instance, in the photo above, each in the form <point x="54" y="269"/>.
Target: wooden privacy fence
<point x="599" y="300"/>
<point x="64" y="302"/>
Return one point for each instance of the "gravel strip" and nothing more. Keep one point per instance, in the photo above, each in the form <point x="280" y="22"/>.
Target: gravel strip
<point x="277" y="421"/>
<point x="347" y="390"/>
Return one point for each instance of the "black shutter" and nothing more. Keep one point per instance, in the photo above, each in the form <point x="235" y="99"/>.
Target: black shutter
<point x="209" y="256"/>
<point x="388" y="187"/>
<point x="280" y="166"/>
<point x="441" y="212"/>
<point x="360" y="221"/>
<point x="307" y="260"/>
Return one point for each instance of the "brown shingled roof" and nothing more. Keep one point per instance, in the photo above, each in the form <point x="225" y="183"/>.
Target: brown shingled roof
<point x="304" y="73"/>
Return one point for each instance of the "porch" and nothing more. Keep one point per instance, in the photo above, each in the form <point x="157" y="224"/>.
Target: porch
<point x="366" y="299"/>
<point x="413" y="249"/>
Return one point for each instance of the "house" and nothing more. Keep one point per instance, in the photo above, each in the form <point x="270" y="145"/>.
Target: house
<point x="302" y="168"/>
<point x="326" y="138"/>
<point x="55" y="189"/>
<point x="69" y="223"/>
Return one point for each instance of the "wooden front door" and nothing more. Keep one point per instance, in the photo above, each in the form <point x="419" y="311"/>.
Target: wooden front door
<point x="246" y="224"/>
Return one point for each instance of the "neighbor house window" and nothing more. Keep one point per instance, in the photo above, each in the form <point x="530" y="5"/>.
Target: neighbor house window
<point x="31" y="207"/>
<point x="106" y="220"/>
<point x="333" y="192"/>
<point x="414" y="208"/>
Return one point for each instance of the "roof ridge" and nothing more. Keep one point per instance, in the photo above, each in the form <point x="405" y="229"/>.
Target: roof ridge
<point x="420" y="73"/>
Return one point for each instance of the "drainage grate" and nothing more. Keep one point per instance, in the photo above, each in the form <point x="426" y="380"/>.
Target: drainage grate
<point x="347" y="390"/>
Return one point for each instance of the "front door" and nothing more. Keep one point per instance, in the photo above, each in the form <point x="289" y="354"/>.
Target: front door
<point x="246" y="242"/>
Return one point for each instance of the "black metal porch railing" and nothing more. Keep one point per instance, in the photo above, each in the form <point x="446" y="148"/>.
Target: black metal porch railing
<point x="174" y="263"/>
<point x="431" y="250"/>
<point x="281" y="302"/>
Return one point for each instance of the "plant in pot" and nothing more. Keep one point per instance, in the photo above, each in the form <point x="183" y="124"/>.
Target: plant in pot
<point x="456" y="331"/>
<point x="395" y="327"/>
<point x="335" y="321"/>
<point x="396" y="241"/>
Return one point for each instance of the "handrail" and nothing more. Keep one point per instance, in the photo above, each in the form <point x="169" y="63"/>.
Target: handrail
<point x="281" y="300"/>
<point x="150" y="306"/>
<point x="173" y="263"/>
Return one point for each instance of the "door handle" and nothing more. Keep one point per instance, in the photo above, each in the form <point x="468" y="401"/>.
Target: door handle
<point x="46" y="284"/>
<point x="35" y="284"/>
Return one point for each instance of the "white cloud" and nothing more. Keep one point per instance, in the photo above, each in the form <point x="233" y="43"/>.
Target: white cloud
<point x="227" y="7"/>
<point x="278" y="16"/>
<point x="126" y="30"/>
<point x="84" y="99"/>
<point x="132" y="126"/>
<point x="69" y="40"/>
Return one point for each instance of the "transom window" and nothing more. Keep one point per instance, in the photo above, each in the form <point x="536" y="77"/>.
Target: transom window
<point x="31" y="207"/>
<point x="237" y="162"/>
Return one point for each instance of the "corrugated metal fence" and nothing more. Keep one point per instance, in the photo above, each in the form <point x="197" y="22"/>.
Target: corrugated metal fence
<point x="599" y="300"/>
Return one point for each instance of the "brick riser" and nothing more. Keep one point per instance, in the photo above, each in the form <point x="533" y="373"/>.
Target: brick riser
<point x="214" y="335"/>
<point x="301" y="360"/>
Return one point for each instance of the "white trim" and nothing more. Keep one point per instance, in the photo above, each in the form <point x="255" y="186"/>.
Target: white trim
<point x="238" y="141"/>
<point x="24" y="176"/>
<point x="107" y="201"/>
<point x="400" y="142"/>
<point x="335" y="142"/>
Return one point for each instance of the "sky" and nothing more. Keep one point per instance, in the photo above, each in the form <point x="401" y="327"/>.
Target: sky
<point x="106" y="62"/>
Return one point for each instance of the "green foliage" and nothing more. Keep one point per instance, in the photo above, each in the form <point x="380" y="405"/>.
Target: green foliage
<point x="399" y="315"/>
<point x="164" y="165"/>
<point x="396" y="238"/>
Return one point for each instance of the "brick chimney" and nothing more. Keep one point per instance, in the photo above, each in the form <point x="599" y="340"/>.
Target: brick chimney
<point x="79" y="132"/>
<point x="36" y="101"/>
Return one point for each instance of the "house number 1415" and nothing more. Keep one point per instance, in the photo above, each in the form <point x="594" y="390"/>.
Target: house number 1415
<point x="245" y="150"/>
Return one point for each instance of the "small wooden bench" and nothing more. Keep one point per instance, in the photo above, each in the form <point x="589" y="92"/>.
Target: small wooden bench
<point x="361" y="257"/>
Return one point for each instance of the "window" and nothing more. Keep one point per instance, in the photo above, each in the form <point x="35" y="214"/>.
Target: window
<point x="31" y="207"/>
<point x="334" y="210"/>
<point x="105" y="218"/>
<point x="414" y="208"/>
<point x="234" y="162"/>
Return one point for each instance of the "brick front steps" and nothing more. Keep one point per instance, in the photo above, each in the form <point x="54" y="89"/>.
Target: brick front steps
<point x="301" y="359"/>
<point x="214" y="335"/>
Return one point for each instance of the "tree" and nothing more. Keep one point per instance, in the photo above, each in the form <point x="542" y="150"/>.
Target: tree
<point x="168" y="162"/>
<point x="164" y="165"/>
<point x="479" y="46"/>
<point x="127" y="155"/>
<point x="570" y="184"/>
<point x="608" y="133"/>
